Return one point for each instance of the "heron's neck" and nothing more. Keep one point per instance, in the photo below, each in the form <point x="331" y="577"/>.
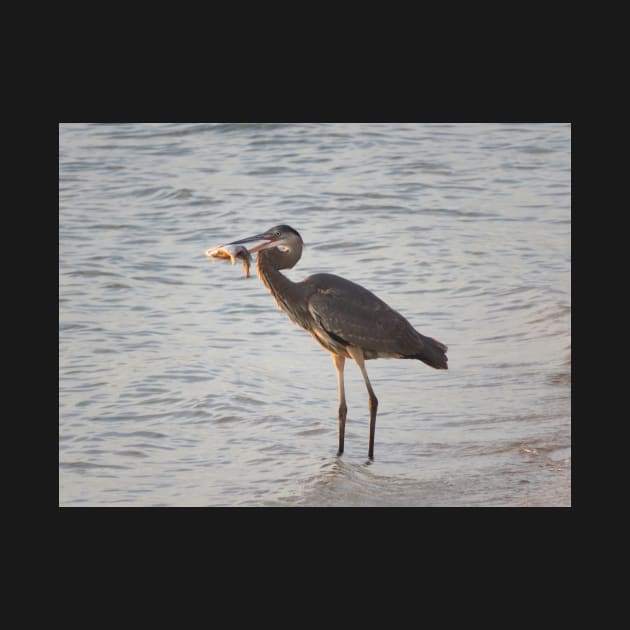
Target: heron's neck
<point x="286" y="293"/>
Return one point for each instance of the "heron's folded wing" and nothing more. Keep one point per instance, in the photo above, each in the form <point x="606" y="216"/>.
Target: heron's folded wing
<point x="351" y="313"/>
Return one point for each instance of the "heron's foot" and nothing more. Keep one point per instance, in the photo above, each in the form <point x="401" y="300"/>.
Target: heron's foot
<point x="340" y="452"/>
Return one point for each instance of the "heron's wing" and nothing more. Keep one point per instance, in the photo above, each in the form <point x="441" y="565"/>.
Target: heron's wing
<point x="353" y="315"/>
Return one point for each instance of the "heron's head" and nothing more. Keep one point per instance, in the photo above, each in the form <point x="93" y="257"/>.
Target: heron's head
<point x="281" y="236"/>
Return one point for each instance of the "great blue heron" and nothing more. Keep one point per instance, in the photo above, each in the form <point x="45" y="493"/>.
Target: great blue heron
<point x="343" y="317"/>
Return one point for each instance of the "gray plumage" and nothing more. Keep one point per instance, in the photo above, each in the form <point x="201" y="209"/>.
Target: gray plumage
<point x="343" y="317"/>
<point x="351" y="313"/>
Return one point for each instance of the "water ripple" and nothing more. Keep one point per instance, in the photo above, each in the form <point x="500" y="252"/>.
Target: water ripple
<point x="180" y="381"/>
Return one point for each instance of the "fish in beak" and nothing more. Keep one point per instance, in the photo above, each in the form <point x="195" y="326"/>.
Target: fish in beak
<point x="232" y="251"/>
<point x="267" y="238"/>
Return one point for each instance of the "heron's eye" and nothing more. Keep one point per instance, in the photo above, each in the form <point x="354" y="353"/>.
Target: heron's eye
<point x="276" y="234"/>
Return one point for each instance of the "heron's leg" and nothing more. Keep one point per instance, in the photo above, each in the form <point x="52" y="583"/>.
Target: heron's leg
<point x="357" y="355"/>
<point x="339" y="362"/>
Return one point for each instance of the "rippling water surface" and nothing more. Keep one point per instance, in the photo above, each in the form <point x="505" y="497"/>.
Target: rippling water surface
<point x="182" y="384"/>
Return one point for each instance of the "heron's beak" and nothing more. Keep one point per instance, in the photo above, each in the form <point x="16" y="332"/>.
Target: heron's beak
<point x="267" y="238"/>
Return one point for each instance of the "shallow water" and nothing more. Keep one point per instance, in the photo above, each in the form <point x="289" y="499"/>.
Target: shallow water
<point x="180" y="381"/>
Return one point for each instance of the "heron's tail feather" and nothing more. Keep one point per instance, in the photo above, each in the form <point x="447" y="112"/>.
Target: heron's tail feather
<point x="433" y="353"/>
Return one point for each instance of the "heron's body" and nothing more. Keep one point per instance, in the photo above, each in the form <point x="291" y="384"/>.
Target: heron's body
<point x="343" y="317"/>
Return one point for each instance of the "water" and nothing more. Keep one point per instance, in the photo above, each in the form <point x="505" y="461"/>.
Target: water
<point x="182" y="384"/>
